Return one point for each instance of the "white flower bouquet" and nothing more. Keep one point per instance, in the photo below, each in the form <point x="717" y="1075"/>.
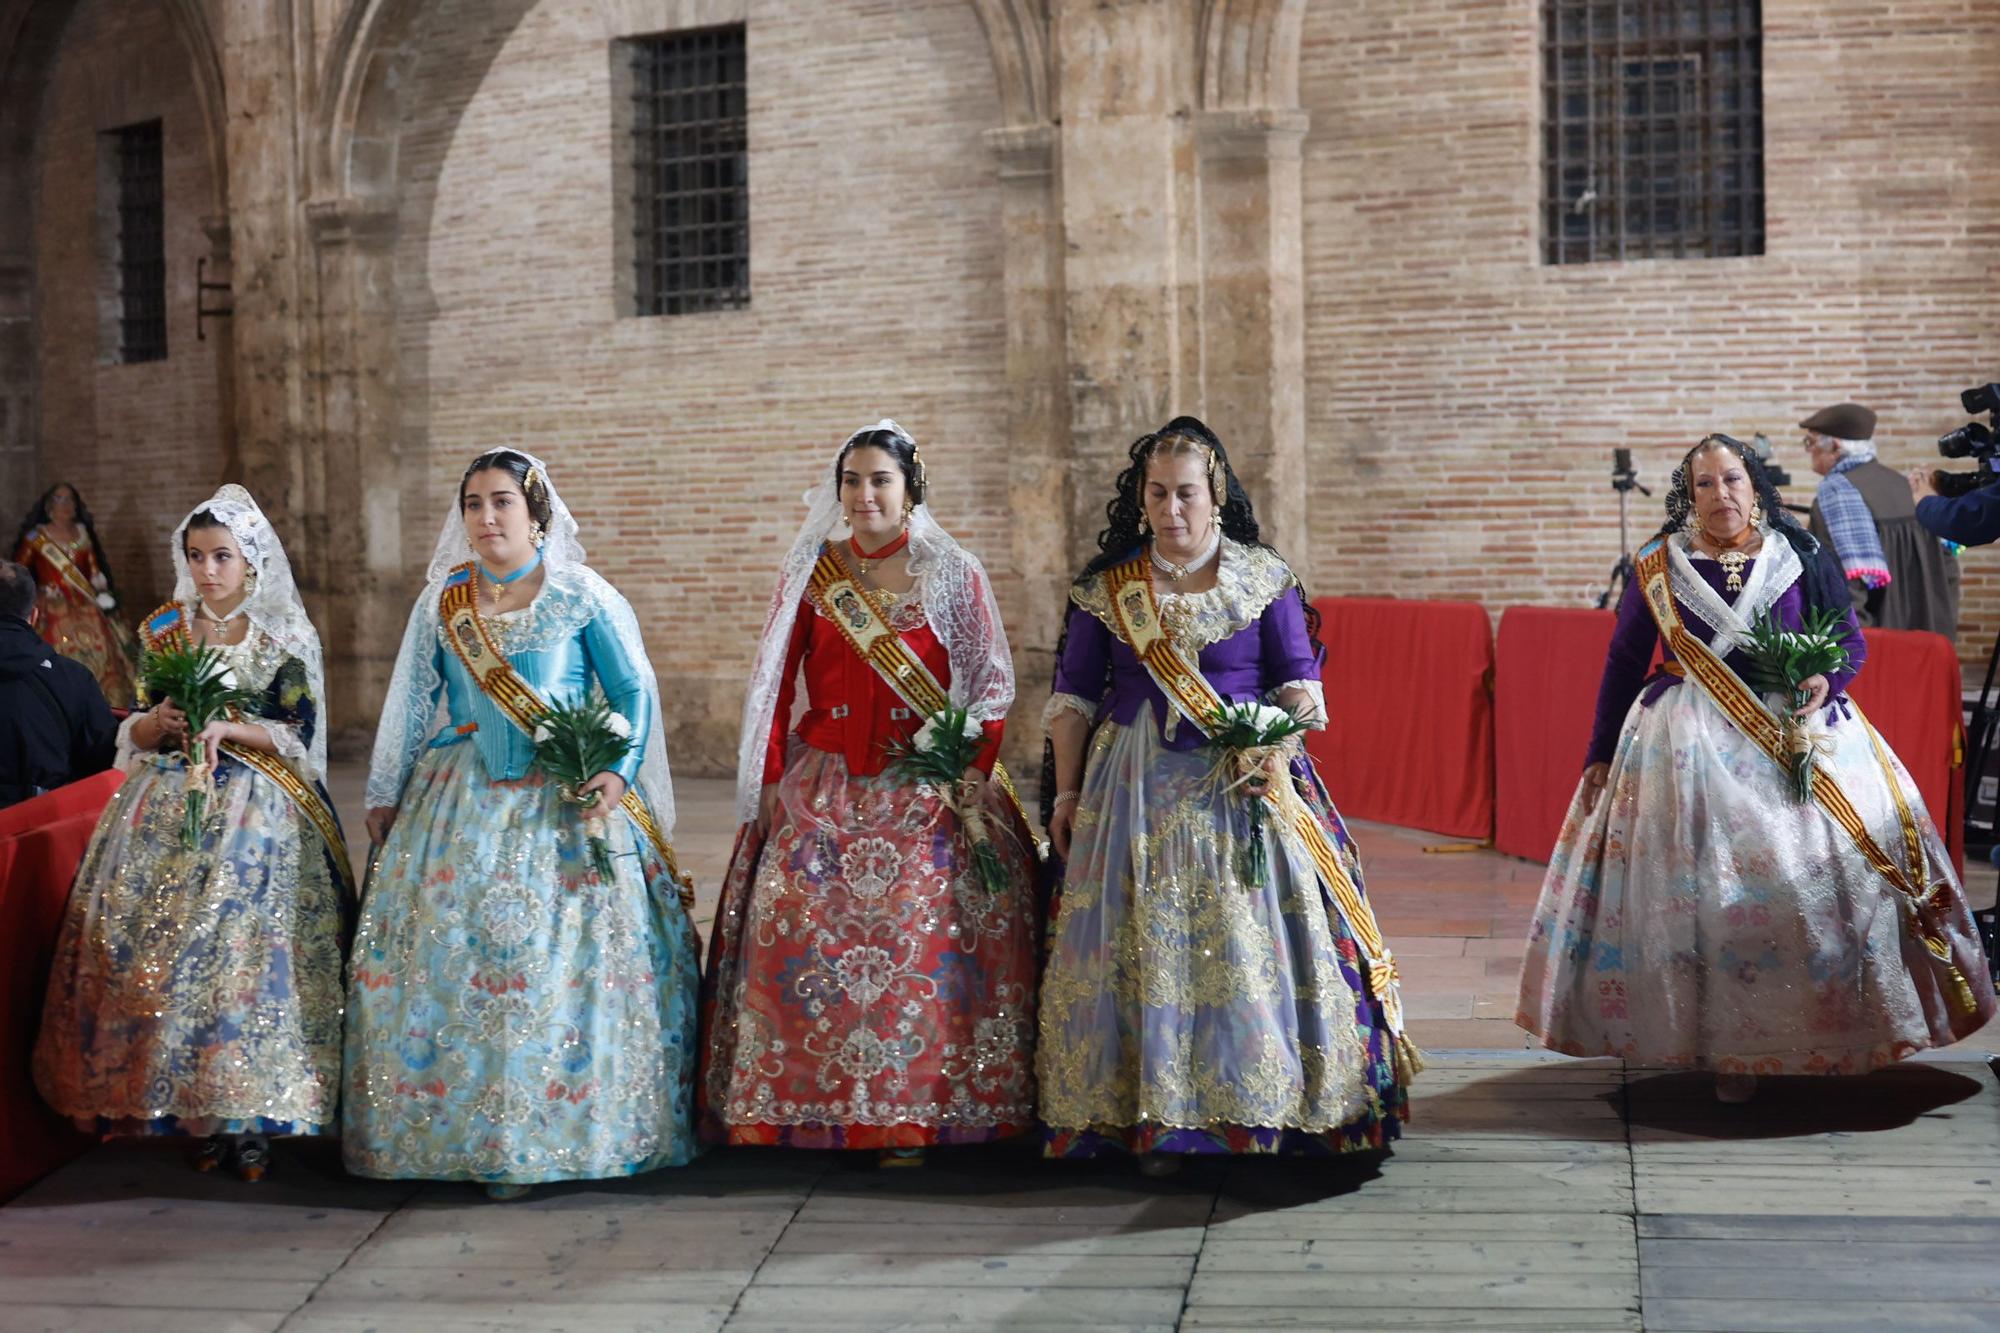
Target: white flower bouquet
<point x="573" y="743"/>
<point x="948" y="743"/>
<point x="1248" y="735"/>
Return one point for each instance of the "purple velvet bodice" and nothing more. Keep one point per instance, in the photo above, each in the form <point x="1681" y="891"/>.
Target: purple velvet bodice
<point x="1636" y="635"/>
<point x="1272" y="651"/>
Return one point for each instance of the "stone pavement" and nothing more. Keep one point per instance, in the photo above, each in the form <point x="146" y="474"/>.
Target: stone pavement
<point x="1533" y="1192"/>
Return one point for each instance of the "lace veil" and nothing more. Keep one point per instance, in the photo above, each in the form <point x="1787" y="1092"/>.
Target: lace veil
<point x="957" y="600"/>
<point x="414" y="689"/>
<point x="273" y="604"/>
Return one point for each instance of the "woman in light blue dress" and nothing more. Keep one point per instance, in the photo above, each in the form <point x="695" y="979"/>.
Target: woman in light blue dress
<point x="514" y="1017"/>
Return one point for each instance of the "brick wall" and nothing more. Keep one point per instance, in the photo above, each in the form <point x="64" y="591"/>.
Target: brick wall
<point x="1463" y="398"/>
<point x="141" y="441"/>
<point x="683" y="443"/>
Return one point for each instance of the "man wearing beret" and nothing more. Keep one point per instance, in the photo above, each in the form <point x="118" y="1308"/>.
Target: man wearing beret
<point x="1900" y="575"/>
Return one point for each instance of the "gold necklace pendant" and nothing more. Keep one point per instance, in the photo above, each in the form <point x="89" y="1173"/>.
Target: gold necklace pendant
<point x="1732" y="563"/>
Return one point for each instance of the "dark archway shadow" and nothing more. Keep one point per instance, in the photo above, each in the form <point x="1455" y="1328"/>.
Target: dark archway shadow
<point x="1795" y="1106"/>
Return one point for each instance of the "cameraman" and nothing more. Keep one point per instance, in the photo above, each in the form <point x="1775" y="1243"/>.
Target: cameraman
<point x="1972" y="519"/>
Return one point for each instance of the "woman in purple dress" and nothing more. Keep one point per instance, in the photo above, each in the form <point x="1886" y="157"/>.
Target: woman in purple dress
<point x="1697" y="912"/>
<point x="1216" y="983"/>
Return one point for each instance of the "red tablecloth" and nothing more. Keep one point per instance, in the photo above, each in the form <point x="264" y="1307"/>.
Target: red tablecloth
<point x="1547" y="666"/>
<point x="1910" y="690"/>
<point x="41" y="842"/>
<point x="1547" y="663"/>
<point x="1409" y="737"/>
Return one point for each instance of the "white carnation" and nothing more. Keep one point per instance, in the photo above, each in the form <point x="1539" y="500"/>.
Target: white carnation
<point x="1268" y="716"/>
<point x="926" y="734"/>
<point x="106" y="601"/>
<point x="541" y="734"/>
<point x="973" y="731"/>
<point x="621" y="727"/>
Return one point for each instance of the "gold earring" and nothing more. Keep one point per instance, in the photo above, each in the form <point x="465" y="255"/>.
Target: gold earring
<point x="1145" y="525"/>
<point x="537" y="534"/>
<point x="1756" y="513"/>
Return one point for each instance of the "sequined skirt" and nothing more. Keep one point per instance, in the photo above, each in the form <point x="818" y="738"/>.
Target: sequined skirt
<point x="1701" y="916"/>
<point x="1186" y="1009"/>
<point x="197" y="991"/>
<point x="512" y="1017"/>
<point x="83" y="631"/>
<point x="866" y="989"/>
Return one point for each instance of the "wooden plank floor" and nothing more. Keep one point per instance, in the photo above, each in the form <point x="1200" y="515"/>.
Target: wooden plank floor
<point x="1532" y="1193"/>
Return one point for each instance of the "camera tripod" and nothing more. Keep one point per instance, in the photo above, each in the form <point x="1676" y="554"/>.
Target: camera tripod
<point x="1624" y="480"/>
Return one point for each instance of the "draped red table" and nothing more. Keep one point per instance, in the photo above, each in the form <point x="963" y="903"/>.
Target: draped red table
<point x="1911" y="690"/>
<point x="1547" y="663"/>
<point x="41" y="842"/>
<point x="1547" y="666"/>
<point x="1409" y="737"/>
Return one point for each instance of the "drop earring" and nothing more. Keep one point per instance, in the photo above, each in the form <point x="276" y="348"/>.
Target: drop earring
<point x="538" y="535"/>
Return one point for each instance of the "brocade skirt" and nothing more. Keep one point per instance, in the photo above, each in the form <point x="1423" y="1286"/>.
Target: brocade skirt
<point x="1185" y="1009"/>
<point x="1702" y="916"/>
<point x="866" y="989"/>
<point x="511" y="1016"/>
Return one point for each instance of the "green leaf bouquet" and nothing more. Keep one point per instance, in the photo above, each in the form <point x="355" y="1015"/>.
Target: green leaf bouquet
<point x="1247" y="735"/>
<point x="948" y="743"/>
<point x="199" y="682"/>
<point x="1781" y="662"/>
<point x="573" y="743"/>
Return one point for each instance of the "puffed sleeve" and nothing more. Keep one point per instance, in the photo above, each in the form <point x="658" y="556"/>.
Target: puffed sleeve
<point x="1083" y="668"/>
<point x="624" y="683"/>
<point x="788" y="686"/>
<point x="1286" y="657"/>
<point x="289" y="714"/>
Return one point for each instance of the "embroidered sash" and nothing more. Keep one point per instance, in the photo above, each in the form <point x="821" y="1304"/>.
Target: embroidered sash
<point x="862" y="622"/>
<point x="1137" y="613"/>
<point x="65" y="568"/>
<point x="166" y="629"/>
<point x="465" y="630"/>
<point x="1916" y="888"/>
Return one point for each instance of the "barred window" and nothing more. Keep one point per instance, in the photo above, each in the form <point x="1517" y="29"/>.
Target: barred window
<point x="691" y="178"/>
<point x="1654" y="129"/>
<point x="142" y="242"/>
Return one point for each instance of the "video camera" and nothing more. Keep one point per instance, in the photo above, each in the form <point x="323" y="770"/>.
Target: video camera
<point x="1974" y="440"/>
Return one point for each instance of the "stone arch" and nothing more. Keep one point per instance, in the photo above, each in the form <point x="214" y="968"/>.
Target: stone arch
<point x="32" y="34"/>
<point x="1250" y="54"/>
<point x="1018" y="33"/>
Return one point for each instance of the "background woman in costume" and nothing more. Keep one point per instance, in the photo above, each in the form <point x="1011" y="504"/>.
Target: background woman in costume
<point x="77" y="610"/>
<point x="515" y="1016"/>
<point x="1191" y="1004"/>
<point x="197" y="990"/>
<point x="1696" y="911"/>
<point x="868" y="987"/>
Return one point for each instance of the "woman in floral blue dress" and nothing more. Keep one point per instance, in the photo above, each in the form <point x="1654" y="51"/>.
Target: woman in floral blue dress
<point x="514" y="1016"/>
<point x="196" y="990"/>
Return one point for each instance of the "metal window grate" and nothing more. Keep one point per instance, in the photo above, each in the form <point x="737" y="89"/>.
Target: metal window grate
<point x="142" y="243"/>
<point x="691" y="204"/>
<point x="1654" y="129"/>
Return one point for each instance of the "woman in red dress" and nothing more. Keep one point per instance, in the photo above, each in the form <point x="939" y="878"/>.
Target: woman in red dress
<point x="868" y="987"/>
<point x="58" y="543"/>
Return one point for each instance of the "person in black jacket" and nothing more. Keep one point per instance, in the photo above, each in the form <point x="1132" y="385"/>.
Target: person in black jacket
<point x="54" y="724"/>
